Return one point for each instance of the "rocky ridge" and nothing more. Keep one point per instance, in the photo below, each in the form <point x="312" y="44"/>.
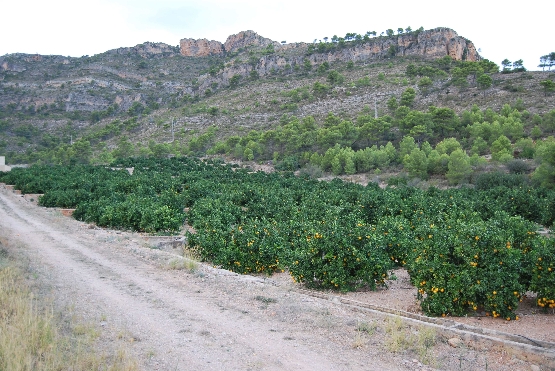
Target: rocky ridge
<point x="204" y="47"/>
<point x="200" y="47"/>
<point x="434" y="43"/>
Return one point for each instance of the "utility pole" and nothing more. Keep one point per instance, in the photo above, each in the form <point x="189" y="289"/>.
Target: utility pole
<point x="375" y="108"/>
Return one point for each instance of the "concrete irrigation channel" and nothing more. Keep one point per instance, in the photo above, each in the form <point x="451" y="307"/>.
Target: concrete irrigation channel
<point x="526" y="349"/>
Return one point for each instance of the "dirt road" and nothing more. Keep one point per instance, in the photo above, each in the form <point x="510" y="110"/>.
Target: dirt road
<point x="209" y="319"/>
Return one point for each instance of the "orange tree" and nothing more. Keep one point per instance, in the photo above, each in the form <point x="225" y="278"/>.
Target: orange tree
<point x="469" y="264"/>
<point x="542" y="264"/>
<point x="338" y="251"/>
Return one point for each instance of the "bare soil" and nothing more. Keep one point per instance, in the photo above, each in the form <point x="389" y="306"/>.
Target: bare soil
<point x="211" y="319"/>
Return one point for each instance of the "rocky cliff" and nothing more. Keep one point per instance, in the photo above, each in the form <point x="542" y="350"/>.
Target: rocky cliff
<point x="200" y="48"/>
<point x="435" y="43"/>
<point x="247" y="38"/>
<point x="204" y="47"/>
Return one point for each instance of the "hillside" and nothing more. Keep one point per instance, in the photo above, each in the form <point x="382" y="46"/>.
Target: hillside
<point x="126" y="101"/>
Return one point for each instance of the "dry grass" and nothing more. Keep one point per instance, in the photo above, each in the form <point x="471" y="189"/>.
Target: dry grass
<point x="397" y="339"/>
<point x="183" y="263"/>
<point x="367" y="327"/>
<point x="32" y="340"/>
<point x="401" y="337"/>
<point x="359" y="341"/>
<point x="26" y="337"/>
<point x="189" y="262"/>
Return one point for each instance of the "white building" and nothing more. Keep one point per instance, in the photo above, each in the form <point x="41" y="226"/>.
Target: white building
<point x="3" y="166"/>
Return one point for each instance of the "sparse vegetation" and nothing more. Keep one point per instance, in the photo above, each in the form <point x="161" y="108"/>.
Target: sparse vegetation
<point x="402" y="337"/>
<point x="187" y="264"/>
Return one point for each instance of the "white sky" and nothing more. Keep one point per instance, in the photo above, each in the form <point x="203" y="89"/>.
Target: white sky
<point x="75" y="27"/>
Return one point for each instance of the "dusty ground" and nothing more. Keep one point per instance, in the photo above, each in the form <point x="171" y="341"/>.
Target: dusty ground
<point x="211" y="319"/>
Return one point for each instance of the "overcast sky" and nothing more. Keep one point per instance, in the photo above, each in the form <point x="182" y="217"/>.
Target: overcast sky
<point x="75" y="28"/>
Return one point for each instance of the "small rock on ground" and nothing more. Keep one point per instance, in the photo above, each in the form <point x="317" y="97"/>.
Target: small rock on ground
<point x="455" y="342"/>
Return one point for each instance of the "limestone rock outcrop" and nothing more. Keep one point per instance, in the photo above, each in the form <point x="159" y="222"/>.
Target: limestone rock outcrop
<point x="435" y="43"/>
<point x="6" y="65"/>
<point x="247" y="38"/>
<point x="200" y="48"/>
<point x="204" y="47"/>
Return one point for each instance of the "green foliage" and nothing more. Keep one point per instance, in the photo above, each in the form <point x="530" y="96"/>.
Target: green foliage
<point x="124" y="149"/>
<point x="479" y="146"/>
<point x="323" y="67"/>
<point x="501" y="149"/>
<point x="416" y="163"/>
<point x="335" y="78"/>
<point x="518" y="166"/>
<point x="527" y="148"/>
<point x="320" y="89"/>
<point x="136" y="109"/>
<point x="234" y="81"/>
<point x="364" y="81"/>
<point x="484" y="82"/>
<point x="487" y="181"/>
<point x="458" y="271"/>
<point x="425" y="71"/>
<point x="406" y="146"/>
<point x="307" y="65"/>
<point x="545" y="155"/>
<point x="548" y="86"/>
<point x="407" y="97"/>
<point x="448" y="146"/>
<point x="547" y="60"/>
<point x="542" y="264"/>
<point x="459" y="167"/>
<point x="392" y="104"/>
<point x="298" y="95"/>
<point x="548" y="122"/>
<point x="26" y="131"/>
<point x="269" y="49"/>
<point x="200" y="144"/>
<point x="512" y="67"/>
<point x="392" y="50"/>
<point x="425" y="84"/>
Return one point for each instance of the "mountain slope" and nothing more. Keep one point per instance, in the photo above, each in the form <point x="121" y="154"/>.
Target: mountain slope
<point x="249" y="82"/>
